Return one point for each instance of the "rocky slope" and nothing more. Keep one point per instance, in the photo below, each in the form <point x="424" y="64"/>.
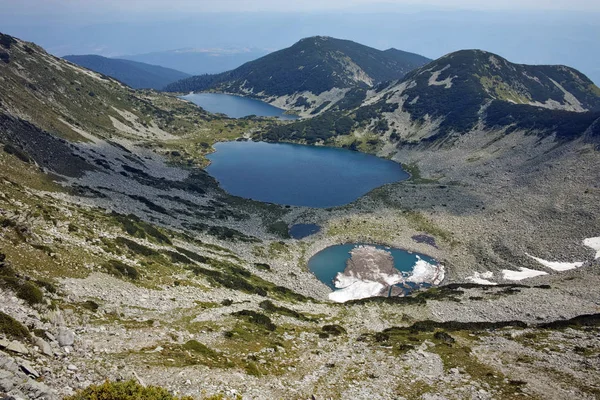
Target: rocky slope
<point x="134" y="74"/>
<point x="120" y="258"/>
<point x="312" y="74"/>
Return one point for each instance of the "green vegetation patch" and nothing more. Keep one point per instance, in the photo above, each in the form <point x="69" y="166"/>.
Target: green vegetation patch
<point x="192" y="255"/>
<point x="13" y="328"/>
<point x="129" y="390"/>
<point x="415" y="174"/>
<point x="269" y="307"/>
<point x="581" y="321"/>
<point x="423" y="224"/>
<point x="135" y="247"/>
<point x="121" y="270"/>
<point x="234" y="277"/>
<point x="24" y="289"/>
<point x="256" y="318"/>
<point x="176" y="257"/>
<point x="280" y="229"/>
<point x="134" y="226"/>
<point x="332" y="330"/>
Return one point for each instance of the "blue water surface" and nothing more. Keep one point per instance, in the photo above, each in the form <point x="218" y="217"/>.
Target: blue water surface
<point x="236" y="106"/>
<point x="300" y="231"/>
<point x="299" y="175"/>
<point x="326" y="264"/>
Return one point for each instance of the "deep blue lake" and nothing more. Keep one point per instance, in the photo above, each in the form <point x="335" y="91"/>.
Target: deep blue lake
<point x="300" y="231"/>
<point x="236" y="106"/>
<point x="299" y="175"/>
<point x="327" y="263"/>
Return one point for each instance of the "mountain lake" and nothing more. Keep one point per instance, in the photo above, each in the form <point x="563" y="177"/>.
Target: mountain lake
<point x="327" y="263"/>
<point x="299" y="175"/>
<point x="236" y="106"/>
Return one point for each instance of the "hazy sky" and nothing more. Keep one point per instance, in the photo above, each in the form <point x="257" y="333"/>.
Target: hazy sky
<point x="37" y="6"/>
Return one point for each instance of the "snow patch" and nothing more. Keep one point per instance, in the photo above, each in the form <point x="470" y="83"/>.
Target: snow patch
<point x="424" y="272"/>
<point x="355" y="290"/>
<point x="523" y="273"/>
<point x="482" y="278"/>
<point x="593" y="243"/>
<point x="555" y="265"/>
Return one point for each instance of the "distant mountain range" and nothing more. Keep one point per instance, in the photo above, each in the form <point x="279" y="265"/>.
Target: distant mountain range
<point x="195" y="61"/>
<point x="460" y="92"/>
<point x="313" y="72"/>
<point x="135" y="74"/>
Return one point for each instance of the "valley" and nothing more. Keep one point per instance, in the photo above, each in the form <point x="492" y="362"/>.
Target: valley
<point x="123" y="258"/>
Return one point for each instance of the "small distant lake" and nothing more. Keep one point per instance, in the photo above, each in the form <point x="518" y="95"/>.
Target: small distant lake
<point x="300" y="231"/>
<point x="236" y="106"/>
<point x="299" y="175"/>
<point x="326" y="264"/>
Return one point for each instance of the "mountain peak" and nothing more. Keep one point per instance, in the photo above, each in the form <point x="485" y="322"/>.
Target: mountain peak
<point x="296" y="77"/>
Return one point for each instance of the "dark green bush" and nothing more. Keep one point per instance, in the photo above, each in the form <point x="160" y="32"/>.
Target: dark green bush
<point x="268" y="306"/>
<point x="120" y="269"/>
<point x="335" y="330"/>
<point x="90" y="305"/>
<point x="136" y="248"/>
<point x="280" y="229"/>
<point x="13" y="328"/>
<point x="256" y="319"/>
<point x="30" y="293"/>
<point x="129" y="390"/>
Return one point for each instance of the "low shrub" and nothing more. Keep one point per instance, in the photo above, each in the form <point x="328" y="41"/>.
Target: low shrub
<point x="257" y="319"/>
<point x="121" y="270"/>
<point x="13" y="328"/>
<point x="335" y="330"/>
<point x="129" y="390"/>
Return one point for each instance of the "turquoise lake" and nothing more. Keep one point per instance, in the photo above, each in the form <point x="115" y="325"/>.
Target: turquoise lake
<point x="298" y="175"/>
<point x="326" y="264"/>
<point x="236" y="106"/>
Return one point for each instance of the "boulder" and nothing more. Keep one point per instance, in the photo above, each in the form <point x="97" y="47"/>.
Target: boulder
<point x="17" y="347"/>
<point x="66" y="337"/>
<point x="28" y="369"/>
<point x="44" y="346"/>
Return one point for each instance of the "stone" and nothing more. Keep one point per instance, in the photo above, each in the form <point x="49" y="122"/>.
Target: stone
<point x="44" y="346"/>
<point x="66" y="337"/>
<point x="72" y="367"/>
<point x="17" y="347"/>
<point x="28" y="369"/>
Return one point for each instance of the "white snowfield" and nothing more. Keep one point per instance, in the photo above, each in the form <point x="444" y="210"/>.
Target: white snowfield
<point x="424" y="272"/>
<point x="356" y="290"/>
<point x="482" y="278"/>
<point x="556" y="265"/>
<point x="523" y="273"/>
<point x="593" y="243"/>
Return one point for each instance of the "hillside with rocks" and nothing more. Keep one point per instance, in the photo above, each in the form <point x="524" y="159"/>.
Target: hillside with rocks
<point x="462" y="92"/>
<point x="121" y="258"/>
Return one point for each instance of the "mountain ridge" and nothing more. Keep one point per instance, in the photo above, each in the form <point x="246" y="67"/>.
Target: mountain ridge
<point x="460" y="92"/>
<point x="135" y="74"/>
<point x="311" y="72"/>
